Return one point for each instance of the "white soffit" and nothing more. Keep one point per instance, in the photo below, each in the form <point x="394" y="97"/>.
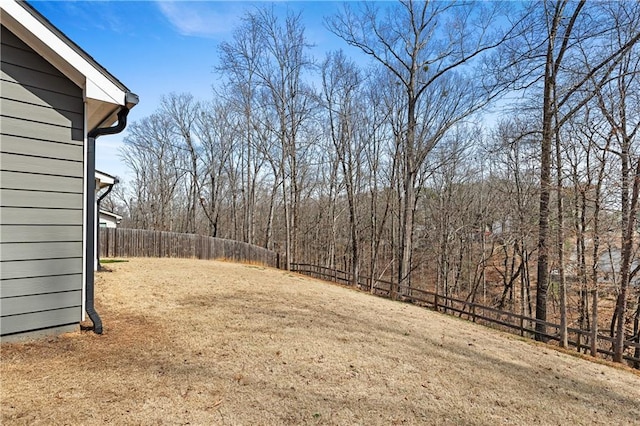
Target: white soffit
<point x="60" y="54"/>
<point x="104" y="180"/>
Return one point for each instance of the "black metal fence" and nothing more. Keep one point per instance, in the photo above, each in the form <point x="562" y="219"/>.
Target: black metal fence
<point x="486" y="315"/>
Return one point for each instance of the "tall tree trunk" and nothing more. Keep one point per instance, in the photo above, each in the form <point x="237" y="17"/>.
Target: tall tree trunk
<point x="560" y="247"/>
<point x="545" y="190"/>
<point x="625" y="268"/>
<point x="553" y="61"/>
<point x="636" y="333"/>
<point x="406" y="237"/>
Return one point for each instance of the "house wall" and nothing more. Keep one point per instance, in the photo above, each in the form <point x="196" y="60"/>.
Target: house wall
<point x="107" y="222"/>
<point x="41" y="192"/>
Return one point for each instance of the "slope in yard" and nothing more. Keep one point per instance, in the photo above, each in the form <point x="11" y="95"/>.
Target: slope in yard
<point x="206" y="342"/>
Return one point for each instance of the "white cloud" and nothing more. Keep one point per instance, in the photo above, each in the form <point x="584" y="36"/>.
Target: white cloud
<point x="200" y="19"/>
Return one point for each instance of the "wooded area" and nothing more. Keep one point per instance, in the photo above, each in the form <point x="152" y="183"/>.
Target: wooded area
<point x="487" y="152"/>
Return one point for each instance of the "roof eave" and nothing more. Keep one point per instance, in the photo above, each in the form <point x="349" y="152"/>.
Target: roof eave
<point x="104" y="180"/>
<point x="104" y="94"/>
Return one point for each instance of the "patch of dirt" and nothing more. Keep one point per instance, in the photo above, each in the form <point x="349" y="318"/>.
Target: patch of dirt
<point x="205" y="342"/>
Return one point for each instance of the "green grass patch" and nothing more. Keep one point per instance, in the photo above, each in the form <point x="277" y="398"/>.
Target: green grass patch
<point x="103" y="261"/>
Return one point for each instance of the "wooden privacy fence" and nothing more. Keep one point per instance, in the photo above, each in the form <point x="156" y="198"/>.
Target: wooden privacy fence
<point x="122" y="242"/>
<point x="582" y="340"/>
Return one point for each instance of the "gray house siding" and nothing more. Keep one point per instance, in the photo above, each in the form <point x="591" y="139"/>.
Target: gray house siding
<point x="41" y="192"/>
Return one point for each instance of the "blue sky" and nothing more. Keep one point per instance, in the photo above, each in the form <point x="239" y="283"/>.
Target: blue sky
<point x="159" y="47"/>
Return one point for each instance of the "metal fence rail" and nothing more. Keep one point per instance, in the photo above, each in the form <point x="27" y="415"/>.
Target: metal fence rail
<point x="486" y="315"/>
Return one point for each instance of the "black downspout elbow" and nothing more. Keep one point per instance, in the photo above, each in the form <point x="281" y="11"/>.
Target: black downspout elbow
<point x="91" y="211"/>
<point x="97" y="245"/>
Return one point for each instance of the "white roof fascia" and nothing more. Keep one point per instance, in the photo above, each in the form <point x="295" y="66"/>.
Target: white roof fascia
<point x="113" y="215"/>
<point x="57" y="51"/>
<point x="104" y="180"/>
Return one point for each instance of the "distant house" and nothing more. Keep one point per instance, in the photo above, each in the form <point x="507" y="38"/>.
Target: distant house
<point x="55" y="100"/>
<point x="109" y="220"/>
<point x="104" y="184"/>
<point x="609" y="264"/>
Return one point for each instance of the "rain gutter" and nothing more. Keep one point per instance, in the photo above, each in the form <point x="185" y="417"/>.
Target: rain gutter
<point x="130" y="101"/>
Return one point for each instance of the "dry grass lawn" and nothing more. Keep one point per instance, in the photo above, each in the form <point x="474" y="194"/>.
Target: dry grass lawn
<point x="203" y="342"/>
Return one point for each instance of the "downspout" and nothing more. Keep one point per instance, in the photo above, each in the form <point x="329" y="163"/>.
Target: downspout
<point x="97" y="245"/>
<point x="130" y="100"/>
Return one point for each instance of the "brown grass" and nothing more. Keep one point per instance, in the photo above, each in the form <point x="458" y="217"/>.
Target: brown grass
<point x="204" y="342"/>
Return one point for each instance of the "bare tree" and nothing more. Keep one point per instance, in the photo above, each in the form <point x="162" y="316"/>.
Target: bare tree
<point x="379" y="161"/>
<point x="436" y="40"/>
<point x="150" y="151"/>
<point x="283" y="52"/>
<point x="514" y="154"/>
<point x="216" y="133"/>
<point x="181" y="111"/>
<point x="619" y="102"/>
<point x="574" y="54"/>
<point x="340" y="84"/>
<point x="240" y="62"/>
